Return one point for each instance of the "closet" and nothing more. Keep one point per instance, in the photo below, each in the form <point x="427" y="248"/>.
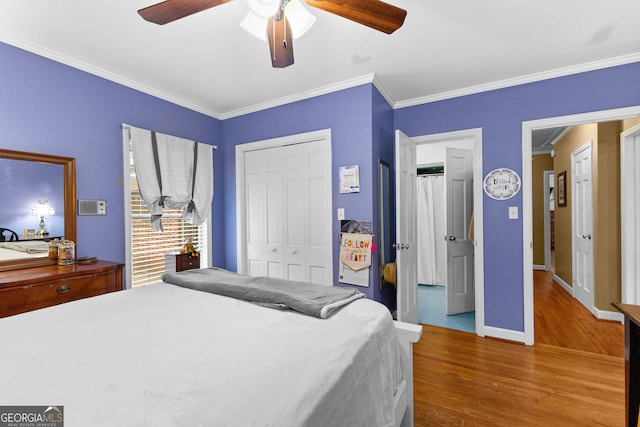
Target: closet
<point x="287" y="212"/>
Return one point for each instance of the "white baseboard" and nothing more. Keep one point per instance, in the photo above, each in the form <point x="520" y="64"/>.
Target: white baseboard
<point x="505" y="334"/>
<point x="599" y="314"/>
<point x="539" y="267"/>
<point x="567" y="287"/>
<point x="608" y="315"/>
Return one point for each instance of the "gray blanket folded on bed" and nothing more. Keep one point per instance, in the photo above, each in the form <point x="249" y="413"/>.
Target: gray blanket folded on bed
<point x="314" y="300"/>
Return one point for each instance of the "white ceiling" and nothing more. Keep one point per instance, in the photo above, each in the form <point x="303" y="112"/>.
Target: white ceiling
<point x="206" y="62"/>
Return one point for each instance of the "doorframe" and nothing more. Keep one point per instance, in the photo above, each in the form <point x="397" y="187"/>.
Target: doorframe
<point x="527" y="203"/>
<point x="476" y="135"/>
<point x="629" y="190"/>
<point x="323" y="135"/>
<point x="547" y="219"/>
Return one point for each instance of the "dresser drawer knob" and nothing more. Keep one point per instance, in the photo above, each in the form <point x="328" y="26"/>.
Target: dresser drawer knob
<point x="63" y="289"/>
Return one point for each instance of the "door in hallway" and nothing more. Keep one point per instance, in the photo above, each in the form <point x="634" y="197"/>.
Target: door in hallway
<point x="582" y="212"/>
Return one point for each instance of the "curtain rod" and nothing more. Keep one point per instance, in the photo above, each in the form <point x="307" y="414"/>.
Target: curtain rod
<point x="128" y="126"/>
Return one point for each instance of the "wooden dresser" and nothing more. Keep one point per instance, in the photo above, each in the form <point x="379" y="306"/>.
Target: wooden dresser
<point x="38" y="287"/>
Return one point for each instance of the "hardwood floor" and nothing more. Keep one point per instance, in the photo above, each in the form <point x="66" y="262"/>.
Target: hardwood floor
<point x="464" y="380"/>
<point x="562" y="321"/>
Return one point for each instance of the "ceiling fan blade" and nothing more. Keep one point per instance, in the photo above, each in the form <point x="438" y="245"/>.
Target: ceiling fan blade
<point x="372" y="13"/>
<point x="172" y="10"/>
<point x="280" y="42"/>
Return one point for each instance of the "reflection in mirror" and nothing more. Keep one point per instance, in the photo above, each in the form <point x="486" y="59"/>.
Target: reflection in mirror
<point x="38" y="205"/>
<point x="384" y="215"/>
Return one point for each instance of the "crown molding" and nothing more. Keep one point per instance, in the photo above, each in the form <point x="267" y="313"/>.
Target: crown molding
<point x="101" y="72"/>
<point x="530" y="78"/>
<point x="372" y="78"/>
<point x="300" y="96"/>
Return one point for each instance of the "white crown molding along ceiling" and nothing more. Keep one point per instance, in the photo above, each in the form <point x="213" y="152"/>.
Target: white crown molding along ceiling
<point x="441" y="51"/>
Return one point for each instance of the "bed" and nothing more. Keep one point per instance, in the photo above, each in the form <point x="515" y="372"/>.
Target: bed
<point x="166" y="355"/>
<point x="25" y="249"/>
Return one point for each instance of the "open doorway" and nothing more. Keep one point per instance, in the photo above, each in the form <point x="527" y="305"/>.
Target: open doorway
<point x="435" y="297"/>
<point x="566" y="268"/>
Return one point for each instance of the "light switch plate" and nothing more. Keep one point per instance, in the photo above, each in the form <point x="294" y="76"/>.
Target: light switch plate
<point x="513" y="212"/>
<point x="340" y="214"/>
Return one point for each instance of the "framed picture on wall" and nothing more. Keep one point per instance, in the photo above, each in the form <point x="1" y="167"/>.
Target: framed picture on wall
<point x="562" y="189"/>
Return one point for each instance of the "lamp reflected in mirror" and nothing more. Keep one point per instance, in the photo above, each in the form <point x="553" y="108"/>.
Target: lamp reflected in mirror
<point x="42" y="209"/>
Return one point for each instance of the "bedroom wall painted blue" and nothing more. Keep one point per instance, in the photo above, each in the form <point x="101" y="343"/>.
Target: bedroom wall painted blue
<point x="51" y="108"/>
<point x="348" y="113"/>
<point x="500" y="114"/>
<point x="383" y="149"/>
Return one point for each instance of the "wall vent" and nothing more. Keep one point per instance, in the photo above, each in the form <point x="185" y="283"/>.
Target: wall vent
<point x="92" y="207"/>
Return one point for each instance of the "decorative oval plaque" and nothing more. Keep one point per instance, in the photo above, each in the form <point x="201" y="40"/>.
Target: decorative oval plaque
<point x="501" y="184"/>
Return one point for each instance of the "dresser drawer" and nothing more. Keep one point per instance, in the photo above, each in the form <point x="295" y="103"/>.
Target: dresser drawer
<point x="57" y="290"/>
<point x="187" y="262"/>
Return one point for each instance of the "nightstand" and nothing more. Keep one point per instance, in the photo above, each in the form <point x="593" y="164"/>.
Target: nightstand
<point x="176" y="261"/>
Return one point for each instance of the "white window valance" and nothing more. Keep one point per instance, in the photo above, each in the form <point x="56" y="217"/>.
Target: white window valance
<point x="174" y="173"/>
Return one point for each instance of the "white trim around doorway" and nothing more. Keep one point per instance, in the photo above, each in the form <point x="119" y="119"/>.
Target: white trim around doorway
<point x="527" y="203"/>
<point x="476" y="135"/>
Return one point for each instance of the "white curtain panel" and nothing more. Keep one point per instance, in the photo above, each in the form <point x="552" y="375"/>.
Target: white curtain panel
<point x="432" y="248"/>
<point x="176" y="162"/>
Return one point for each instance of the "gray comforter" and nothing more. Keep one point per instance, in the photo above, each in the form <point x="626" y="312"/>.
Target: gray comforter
<point x="314" y="300"/>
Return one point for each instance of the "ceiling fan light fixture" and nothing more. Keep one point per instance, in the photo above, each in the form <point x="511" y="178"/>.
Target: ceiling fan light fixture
<point x="255" y="25"/>
<point x="264" y="8"/>
<point x="299" y="18"/>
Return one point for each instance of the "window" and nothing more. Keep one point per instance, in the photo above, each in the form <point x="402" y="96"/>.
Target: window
<point x="149" y="247"/>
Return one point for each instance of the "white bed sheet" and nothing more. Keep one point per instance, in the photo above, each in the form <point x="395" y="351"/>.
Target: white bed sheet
<point x="10" y="254"/>
<point x="162" y="355"/>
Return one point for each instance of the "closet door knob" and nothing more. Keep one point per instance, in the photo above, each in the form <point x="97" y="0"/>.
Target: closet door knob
<point x="293" y="252"/>
<point x="274" y="249"/>
<point x="450" y="238"/>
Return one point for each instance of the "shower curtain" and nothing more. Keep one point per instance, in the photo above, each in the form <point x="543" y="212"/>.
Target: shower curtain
<point x="432" y="248"/>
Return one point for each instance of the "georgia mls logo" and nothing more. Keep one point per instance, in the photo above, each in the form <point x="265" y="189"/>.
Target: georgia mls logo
<point x="31" y="416"/>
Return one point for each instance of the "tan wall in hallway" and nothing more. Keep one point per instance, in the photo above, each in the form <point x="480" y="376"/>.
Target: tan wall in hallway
<point x="540" y="163"/>
<point x="606" y="220"/>
<point x="606" y="208"/>
<point x="629" y="123"/>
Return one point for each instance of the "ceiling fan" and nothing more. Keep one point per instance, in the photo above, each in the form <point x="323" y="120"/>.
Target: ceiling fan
<point x="278" y="30"/>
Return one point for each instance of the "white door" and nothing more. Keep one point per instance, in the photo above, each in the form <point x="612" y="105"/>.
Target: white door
<point x="630" y="206"/>
<point x="308" y="213"/>
<point x="406" y="229"/>
<point x="582" y="213"/>
<point x="288" y="212"/>
<point x="264" y="209"/>
<point x="458" y="170"/>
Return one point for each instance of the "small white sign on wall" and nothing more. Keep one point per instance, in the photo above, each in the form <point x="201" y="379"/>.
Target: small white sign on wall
<point x="501" y="184"/>
<point x="349" y="179"/>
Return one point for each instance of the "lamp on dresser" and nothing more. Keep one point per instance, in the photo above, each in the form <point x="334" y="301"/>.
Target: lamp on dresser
<point x="42" y="209"/>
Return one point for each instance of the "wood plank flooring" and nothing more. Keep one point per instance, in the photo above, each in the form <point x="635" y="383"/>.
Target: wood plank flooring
<point x="464" y="380"/>
<point x="562" y="321"/>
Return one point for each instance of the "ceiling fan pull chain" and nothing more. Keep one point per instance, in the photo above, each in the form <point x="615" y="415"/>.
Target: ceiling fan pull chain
<point x="284" y="27"/>
<point x="273" y="28"/>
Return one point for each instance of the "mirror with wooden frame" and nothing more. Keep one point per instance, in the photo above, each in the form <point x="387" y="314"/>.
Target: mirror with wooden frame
<point x="29" y="181"/>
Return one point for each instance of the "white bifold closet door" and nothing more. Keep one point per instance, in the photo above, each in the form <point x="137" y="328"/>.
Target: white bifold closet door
<point x="288" y="212"/>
